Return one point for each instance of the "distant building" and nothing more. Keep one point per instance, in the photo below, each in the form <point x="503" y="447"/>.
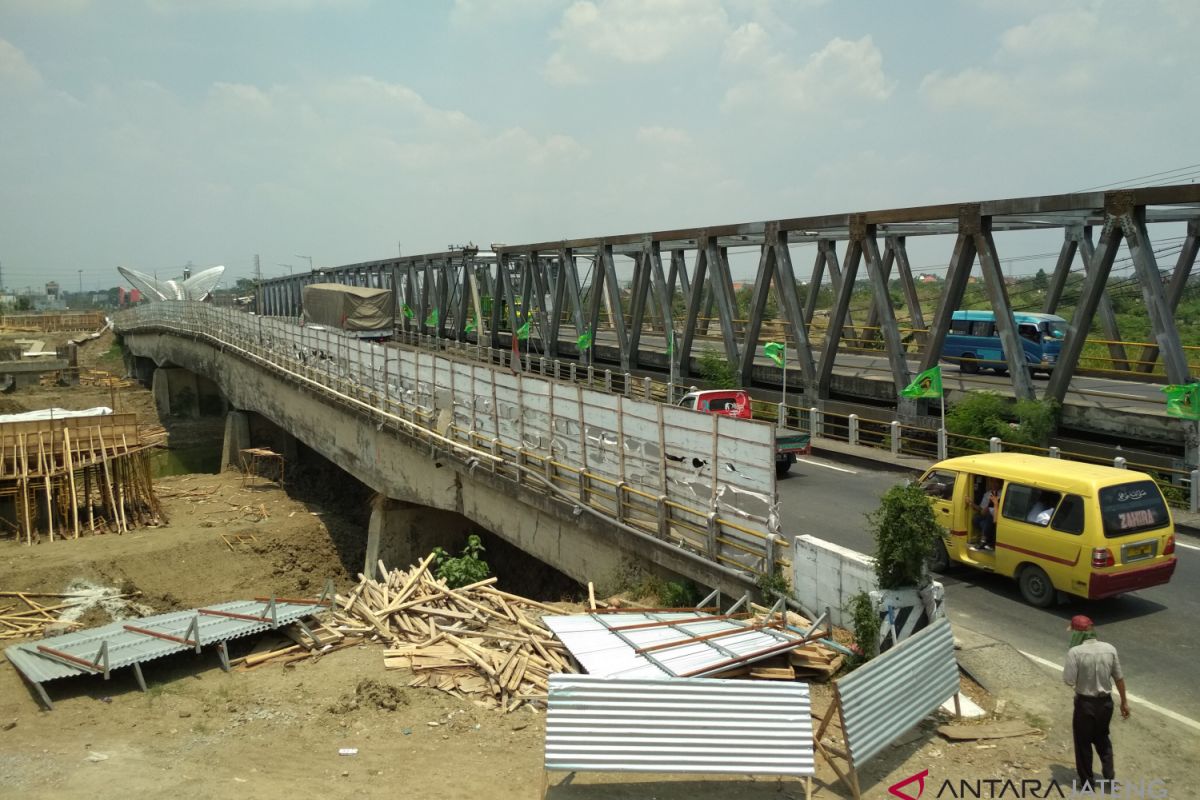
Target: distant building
<point x="52" y="289"/>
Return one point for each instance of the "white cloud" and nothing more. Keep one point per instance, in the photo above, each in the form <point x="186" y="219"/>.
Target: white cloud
<point x="842" y="71"/>
<point x="656" y="134"/>
<point x="591" y="35"/>
<point x="485" y="12"/>
<point x="16" y="73"/>
<point x="1053" y="32"/>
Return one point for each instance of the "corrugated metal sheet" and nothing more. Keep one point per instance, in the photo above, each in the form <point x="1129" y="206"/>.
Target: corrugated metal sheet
<point x="127" y="647"/>
<point x="688" y="725"/>
<point x="605" y="644"/>
<point x="898" y="689"/>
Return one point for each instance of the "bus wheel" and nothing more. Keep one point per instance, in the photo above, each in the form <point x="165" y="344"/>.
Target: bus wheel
<point x="968" y="365"/>
<point x="939" y="559"/>
<point x="1001" y="371"/>
<point x="1036" y="587"/>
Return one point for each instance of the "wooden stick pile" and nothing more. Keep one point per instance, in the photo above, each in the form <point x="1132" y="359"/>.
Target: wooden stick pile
<point x="474" y="642"/>
<point x="34" y="619"/>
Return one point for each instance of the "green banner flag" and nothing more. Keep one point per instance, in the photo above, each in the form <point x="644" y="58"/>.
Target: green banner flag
<point x="670" y="343"/>
<point x="927" y="384"/>
<point x="470" y="326"/>
<point x="1183" y="401"/>
<point x="432" y="319"/>
<point x="408" y="312"/>
<point x="523" y="331"/>
<point x="775" y="351"/>
<point x="584" y="341"/>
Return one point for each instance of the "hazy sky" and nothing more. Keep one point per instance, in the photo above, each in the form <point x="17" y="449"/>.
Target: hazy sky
<point x="152" y="133"/>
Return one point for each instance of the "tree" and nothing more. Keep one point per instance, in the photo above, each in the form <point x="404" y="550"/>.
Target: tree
<point x="905" y="530"/>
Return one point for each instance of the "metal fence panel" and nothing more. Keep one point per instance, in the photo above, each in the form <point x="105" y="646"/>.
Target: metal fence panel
<point x="694" y="725"/>
<point x="897" y="689"/>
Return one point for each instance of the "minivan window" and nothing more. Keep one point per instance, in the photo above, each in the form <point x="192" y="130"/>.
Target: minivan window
<point x="1131" y="508"/>
<point x="939" y="484"/>
<point x="1030" y="504"/>
<point x="960" y="326"/>
<point x="981" y="328"/>
<point x="1069" y="517"/>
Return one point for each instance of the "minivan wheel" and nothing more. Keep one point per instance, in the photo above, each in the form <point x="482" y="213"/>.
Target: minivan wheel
<point x="939" y="558"/>
<point x="969" y="367"/>
<point x="1036" y="587"/>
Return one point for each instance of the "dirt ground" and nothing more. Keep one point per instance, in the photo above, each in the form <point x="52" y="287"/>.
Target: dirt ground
<point x="276" y="731"/>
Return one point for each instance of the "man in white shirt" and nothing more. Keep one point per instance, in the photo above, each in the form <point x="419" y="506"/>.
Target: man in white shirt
<point x="1092" y="667"/>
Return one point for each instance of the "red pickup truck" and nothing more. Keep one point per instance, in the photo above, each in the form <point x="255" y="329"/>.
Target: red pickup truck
<point x="736" y="403"/>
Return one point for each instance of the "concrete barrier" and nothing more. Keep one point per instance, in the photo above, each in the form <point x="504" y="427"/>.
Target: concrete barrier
<point x="826" y="574"/>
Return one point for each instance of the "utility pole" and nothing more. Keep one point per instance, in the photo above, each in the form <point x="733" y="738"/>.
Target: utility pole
<point x="257" y="270"/>
<point x="80" y="280"/>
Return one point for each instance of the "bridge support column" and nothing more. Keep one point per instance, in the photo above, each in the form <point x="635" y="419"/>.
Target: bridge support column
<point x="390" y="535"/>
<point x="176" y="392"/>
<point x="237" y="438"/>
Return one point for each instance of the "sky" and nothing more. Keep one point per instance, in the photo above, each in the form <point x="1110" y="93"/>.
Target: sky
<point x="156" y="133"/>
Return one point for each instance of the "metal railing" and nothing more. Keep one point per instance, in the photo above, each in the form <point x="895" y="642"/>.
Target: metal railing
<point x="698" y="531"/>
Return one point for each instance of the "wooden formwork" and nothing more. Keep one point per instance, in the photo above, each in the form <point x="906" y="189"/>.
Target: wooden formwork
<point x="78" y="473"/>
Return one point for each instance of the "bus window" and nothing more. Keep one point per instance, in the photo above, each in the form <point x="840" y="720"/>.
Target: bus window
<point x="960" y="326"/>
<point x="1030" y="332"/>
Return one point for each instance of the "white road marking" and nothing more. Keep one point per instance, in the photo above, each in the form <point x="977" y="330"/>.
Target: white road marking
<point x="1133" y="698"/>
<point x="826" y="466"/>
<point x="1188" y="546"/>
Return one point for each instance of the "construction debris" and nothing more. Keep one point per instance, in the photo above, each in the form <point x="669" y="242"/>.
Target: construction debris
<point x="38" y="619"/>
<point x="474" y="642"/>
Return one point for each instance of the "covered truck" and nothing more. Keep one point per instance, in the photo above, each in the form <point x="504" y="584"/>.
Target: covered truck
<point x="359" y="311"/>
<point x="736" y="403"/>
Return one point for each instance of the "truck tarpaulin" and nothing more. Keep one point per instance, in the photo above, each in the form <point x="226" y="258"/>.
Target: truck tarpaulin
<point x="351" y="308"/>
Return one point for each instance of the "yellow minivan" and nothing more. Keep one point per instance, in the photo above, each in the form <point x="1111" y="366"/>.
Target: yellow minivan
<point x="1083" y="529"/>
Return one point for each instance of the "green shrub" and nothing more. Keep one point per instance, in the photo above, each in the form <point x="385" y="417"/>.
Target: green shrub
<point x="864" y="619"/>
<point x="679" y="594"/>
<point x="905" y="530"/>
<point x="774" y="586"/>
<point x="716" y="369"/>
<point x="465" y="569"/>
<point x="982" y="415"/>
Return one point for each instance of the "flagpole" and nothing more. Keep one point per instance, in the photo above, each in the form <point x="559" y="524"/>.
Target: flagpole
<point x="783" y="422"/>
<point x="671" y="361"/>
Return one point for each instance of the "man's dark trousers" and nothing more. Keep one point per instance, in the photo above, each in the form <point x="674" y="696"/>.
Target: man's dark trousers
<point x="1090" y="728"/>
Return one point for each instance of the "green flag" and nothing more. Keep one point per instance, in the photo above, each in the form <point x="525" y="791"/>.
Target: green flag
<point x="432" y="319"/>
<point x="584" y="341"/>
<point x="1183" y="400"/>
<point x="927" y="384"/>
<point x="776" y="351"/>
<point x="523" y="331"/>
<point x="408" y="312"/>
<point x="470" y="326"/>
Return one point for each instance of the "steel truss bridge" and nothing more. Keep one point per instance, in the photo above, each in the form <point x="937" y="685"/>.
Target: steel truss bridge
<point x="660" y="298"/>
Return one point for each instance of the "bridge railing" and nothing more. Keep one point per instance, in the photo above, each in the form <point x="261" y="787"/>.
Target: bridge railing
<point x="364" y="377"/>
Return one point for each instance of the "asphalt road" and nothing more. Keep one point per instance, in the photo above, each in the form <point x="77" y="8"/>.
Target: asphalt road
<point x="1154" y="630"/>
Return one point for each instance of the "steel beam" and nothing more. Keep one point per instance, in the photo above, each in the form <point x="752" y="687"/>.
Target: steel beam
<point x="1162" y="321"/>
<point x="721" y="283"/>
<point x="898" y="245"/>
<point x="957" y="276"/>
<point x="606" y="267"/>
<point x="693" y="310"/>
<point x="1179" y="279"/>
<point x="1108" y="318"/>
<point x="1006" y="326"/>
<point x="837" y="319"/>
<point x="883" y="302"/>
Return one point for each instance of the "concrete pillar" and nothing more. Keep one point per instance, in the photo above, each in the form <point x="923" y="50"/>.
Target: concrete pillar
<point x="390" y="535"/>
<point x="175" y="392"/>
<point x="237" y="438"/>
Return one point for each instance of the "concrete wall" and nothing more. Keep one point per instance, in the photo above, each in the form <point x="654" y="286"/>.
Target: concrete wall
<point x="579" y="545"/>
<point x="826" y="574"/>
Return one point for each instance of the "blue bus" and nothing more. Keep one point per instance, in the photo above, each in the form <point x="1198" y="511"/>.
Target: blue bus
<point x="974" y="344"/>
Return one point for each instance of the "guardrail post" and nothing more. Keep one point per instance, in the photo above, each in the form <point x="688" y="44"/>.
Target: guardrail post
<point x="995" y="445"/>
<point x="781" y="415"/>
<point x="943" y="444"/>
<point x="769" y="552"/>
<point x="591" y="376"/>
<point x="608" y="380"/>
<point x="557" y="369"/>
<point x="626" y="388"/>
<point x="664" y="518"/>
<point x="495" y="448"/>
<point x="670" y="394"/>
<point x="1055" y="453"/>
<point x="1194" y="505"/>
<point x="814" y="422"/>
<point x="573" y="371"/>
<point x="896" y="432"/>
<point x="584" y="496"/>
<point x="542" y="365"/>
<point x="853" y="428"/>
<point x="1119" y="462"/>
<point x="647" y="385"/>
<point x="620" y="498"/>
<point x="713" y="529"/>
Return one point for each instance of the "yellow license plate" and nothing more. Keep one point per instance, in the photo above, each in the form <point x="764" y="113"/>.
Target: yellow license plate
<point x="1139" y="551"/>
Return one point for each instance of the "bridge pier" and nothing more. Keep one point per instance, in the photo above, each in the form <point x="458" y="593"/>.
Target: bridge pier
<point x="236" y="439"/>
